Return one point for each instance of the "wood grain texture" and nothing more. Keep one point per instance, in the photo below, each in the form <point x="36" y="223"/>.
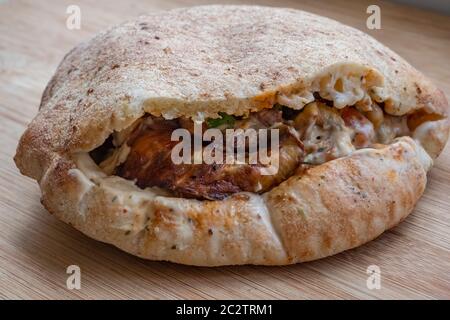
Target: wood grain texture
<point x="35" y="248"/>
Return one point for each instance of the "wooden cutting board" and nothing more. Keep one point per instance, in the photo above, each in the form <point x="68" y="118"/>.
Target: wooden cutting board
<point x="36" y="249"/>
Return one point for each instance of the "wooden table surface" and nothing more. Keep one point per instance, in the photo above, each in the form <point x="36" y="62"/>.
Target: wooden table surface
<point x="35" y="248"/>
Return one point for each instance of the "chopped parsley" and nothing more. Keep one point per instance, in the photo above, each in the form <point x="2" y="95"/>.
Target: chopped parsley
<point x="224" y="119"/>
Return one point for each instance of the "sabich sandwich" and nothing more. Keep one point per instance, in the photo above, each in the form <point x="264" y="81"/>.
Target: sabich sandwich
<point x="358" y="129"/>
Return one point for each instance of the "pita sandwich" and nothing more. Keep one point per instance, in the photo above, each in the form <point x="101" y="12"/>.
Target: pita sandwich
<point x="358" y="130"/>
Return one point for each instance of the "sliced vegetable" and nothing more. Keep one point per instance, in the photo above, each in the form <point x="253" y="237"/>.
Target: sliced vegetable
<point x="225" y="119"/>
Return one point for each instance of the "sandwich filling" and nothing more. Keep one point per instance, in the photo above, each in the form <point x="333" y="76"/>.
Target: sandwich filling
<point x="317" y="133"/>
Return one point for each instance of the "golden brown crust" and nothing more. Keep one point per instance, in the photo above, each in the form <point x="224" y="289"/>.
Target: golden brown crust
<point x="331" y="208"/>
<point x="198" y="61"/>
<point x="347" y="202"/>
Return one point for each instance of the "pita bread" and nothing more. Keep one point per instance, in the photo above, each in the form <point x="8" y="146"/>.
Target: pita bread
<point x="200" y="61"/>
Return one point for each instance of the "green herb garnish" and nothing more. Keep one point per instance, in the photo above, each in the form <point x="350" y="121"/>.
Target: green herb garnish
<point x="224" y="119"/>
